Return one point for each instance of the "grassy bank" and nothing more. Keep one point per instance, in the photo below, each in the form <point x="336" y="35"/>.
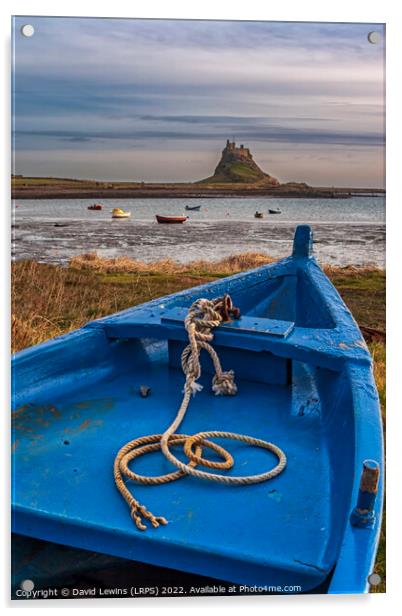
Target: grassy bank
<point x="62" y="188"/>
<point x="49" y="300"/>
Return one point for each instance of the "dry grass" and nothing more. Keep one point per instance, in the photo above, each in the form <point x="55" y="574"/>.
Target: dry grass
<point x="123" y="265"/>
<point x="49" y="300"/>
<point x="228" y="265"/>
<point x="364" y="293"/>
<point x="378" y="352"/>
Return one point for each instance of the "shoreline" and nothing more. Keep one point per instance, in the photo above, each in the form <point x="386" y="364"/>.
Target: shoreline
<point x="58" y="238"/>
<point x="54" y="188"/>
<point x="122" y="194"/>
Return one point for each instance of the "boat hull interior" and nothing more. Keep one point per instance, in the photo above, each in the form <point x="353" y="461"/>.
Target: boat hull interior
<point x="77" y="402"/>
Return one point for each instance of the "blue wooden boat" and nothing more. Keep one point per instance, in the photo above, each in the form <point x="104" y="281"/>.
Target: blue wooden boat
<point x="305" y="383"/>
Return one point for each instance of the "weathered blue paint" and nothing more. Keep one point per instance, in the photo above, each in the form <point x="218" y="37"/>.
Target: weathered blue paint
<point x="303" y="241"/>
<point x="305" y="382"/>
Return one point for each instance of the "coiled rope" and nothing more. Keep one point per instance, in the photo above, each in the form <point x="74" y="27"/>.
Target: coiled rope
<point x="203" y="316"/>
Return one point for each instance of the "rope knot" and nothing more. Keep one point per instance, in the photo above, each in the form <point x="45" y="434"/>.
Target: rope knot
<point x="223" y="384"/>
<point x="203" y="316"/>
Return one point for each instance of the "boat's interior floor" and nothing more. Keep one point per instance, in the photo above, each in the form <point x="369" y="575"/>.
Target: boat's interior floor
<point x="64" y="453"/>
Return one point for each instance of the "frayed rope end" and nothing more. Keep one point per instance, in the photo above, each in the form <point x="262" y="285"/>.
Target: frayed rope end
<point x="194" y="387"/>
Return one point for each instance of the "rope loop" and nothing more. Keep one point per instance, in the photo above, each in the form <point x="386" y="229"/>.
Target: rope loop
<point x="203" y="316"/>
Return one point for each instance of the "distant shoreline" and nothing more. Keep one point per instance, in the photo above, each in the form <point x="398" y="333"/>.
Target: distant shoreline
<point x="59" y="188"/>
<point x="174" y="195"/>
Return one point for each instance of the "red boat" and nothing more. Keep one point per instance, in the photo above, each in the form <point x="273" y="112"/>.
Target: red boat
<point x="95" y="206"/>
<point x="170" y="219"/>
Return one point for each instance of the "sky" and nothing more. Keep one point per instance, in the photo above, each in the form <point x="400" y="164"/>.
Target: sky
<point x="155" y="100"/>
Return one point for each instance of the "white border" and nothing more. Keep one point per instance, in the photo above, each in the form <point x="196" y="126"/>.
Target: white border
<point x="286" y="10"/>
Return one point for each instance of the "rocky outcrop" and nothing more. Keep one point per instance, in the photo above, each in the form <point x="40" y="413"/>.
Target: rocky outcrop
<point x="238" y="166"/>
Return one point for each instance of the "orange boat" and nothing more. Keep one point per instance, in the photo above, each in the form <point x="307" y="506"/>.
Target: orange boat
<point x="170" y="219"/>
<point x="95" y="206"/>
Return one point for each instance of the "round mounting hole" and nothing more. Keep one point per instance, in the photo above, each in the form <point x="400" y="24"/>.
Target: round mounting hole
<point x="27" y="30"/>
<point x="27" y="585"/>
<point x="374" y="579"/>
<point x="374" y="38"/>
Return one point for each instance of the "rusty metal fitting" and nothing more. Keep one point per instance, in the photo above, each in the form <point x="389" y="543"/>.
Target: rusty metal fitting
<point x="227" y="310"/>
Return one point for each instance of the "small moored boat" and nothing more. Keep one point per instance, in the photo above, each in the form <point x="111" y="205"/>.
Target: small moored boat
<point x="170" y="219"/>
<point x="275" y="211"/>
<point x="258" y="215"/>
<point x="193" y="208"/>
<point x="95" y="206"/>
<point x="119" y="213"/>
<point x="305" y="395"/>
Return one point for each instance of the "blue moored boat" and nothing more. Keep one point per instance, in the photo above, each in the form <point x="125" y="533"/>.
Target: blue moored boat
<point x="304" y="383"/>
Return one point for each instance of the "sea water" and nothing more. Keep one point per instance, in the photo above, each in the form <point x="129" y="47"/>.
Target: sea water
<point x="346" y="231"/>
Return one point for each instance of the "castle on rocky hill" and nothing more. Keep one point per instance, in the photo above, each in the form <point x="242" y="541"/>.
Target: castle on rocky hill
<point x="237" y="165"/>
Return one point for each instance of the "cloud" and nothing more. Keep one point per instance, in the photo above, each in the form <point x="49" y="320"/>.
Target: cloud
<point x="119" y="83"/>
<point x="253" y="133"/>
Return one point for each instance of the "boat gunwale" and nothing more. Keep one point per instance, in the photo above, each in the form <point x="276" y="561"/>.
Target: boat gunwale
<point x="368" y="444"/>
